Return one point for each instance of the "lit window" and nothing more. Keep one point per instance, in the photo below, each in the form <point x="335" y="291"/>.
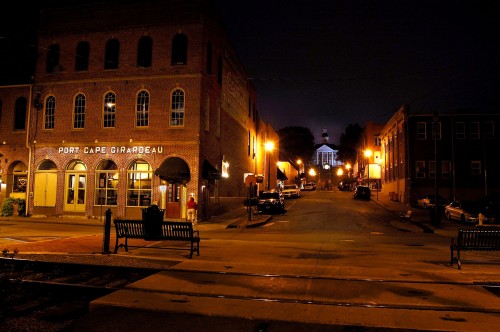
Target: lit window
<point x="177" y="110"/>
<point x="50" y="109"/>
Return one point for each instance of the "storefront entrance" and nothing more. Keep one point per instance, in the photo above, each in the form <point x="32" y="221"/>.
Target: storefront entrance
<point x="75" y="187"/>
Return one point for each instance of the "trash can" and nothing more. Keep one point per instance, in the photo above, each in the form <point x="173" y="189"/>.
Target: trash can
<point x="152" y="218"/>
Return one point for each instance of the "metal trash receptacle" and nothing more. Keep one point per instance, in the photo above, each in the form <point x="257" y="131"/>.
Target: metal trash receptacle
<point x="152" y="218"/>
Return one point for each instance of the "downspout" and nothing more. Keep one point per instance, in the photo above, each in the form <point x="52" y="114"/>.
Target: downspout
<point x="28" y="145"/>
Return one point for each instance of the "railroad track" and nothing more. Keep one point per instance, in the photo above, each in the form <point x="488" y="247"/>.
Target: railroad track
<point x="48" y="296"/>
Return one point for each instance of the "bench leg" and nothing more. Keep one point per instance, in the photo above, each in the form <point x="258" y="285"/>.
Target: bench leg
<point x="458" y="260"/>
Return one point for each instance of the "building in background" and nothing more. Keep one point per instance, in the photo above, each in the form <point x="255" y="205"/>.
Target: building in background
<point x="149" y="105"/>
<point x="449" y="154"/>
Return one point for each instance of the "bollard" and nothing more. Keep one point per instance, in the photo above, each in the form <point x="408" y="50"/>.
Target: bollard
<point x="107" y="233"/>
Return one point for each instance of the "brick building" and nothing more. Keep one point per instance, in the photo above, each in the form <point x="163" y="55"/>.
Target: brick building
<point x="136" y="103"/>
<point x="453" y="152"/>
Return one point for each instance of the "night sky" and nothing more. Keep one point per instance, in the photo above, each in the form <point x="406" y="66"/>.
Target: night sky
<point x="327" y="64"/>
<point x="330" y="63"/>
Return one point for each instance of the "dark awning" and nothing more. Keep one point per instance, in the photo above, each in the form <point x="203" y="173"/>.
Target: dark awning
<point x="174" y="170"/>
<point x="281" y="175"/>
<point x="209" y="172"/>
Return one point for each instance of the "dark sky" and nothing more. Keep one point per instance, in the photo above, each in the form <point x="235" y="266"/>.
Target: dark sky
<point x="329" y="63"/>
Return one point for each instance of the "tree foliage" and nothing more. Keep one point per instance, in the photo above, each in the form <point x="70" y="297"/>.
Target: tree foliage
<point x="297" y="142"/>
<point x="349" y="139"/>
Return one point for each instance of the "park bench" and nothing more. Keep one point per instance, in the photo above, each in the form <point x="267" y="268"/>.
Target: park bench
<point x="170" y="231"/>
<point x="405" y="216"/>
<point x="474" y="239"/>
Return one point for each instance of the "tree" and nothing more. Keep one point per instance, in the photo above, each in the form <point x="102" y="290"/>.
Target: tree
<point x="349" y="139"/>
<point x="297" y="142"/>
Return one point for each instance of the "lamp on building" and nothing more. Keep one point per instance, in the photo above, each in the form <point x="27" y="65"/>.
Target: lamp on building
<point x="269" y="148"/>
<point x="368" y="154"/>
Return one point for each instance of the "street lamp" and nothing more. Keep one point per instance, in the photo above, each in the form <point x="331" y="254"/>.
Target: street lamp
<point x="269" y="147"/>
<point x="368" y="154"/>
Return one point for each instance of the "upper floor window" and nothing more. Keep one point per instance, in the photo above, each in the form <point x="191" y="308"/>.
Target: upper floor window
<point x="436" y="130"/>
<point x="421" y="130"/>
<point x="177" y="109"/>
<point x="460" y="130"/>
<point x="475" y="167"/>
<point x="420" y="169"/>
<point x="79" y="112"/>
<point x="489" y="129"/>
<point x="445" y="169"/>
<point x="432" y="169"/>
<point x="82" y="56"/>
<point x="109" y="110"/>
<point x="209" y="58"/>
<point x="53" y="57"/>
<point x="50" y="110"/>
<point x="20" y="113"/>
<point x="142" y="109"/>
<point x="112" y="56"/>
<point x="145" y="52"/>
<point x="179" y="49"/>
<point x="474" y="130"/>
<point x="377" y="141"/>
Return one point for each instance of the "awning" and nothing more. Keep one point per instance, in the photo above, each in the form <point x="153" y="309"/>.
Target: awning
<point x="281" y="175"/>
<point x="174" y="170"/>
<point x="209" y="172"/>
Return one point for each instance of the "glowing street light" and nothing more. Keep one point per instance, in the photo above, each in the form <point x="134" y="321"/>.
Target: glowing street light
<point x="269" y="146"/>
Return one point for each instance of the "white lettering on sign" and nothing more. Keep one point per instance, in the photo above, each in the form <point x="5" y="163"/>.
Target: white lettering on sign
<point x="111" y="150"/>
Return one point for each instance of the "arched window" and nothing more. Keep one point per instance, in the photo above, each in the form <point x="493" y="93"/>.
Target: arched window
<point x="79" y="112"/>
<point x="109" y="110"/>
<point x="106" y="183"/>
<point x="139" y="177"/>
<point x="53" y="56"/>
<point x="142" y="109"/>
<point x="20" y="114"/>
<point x="179" y="49"/>
<point x="145" y="52"/>
<point x="112" y="56"/>
<point x="50" y="110"/>
<point x="82" y="56"/>
<point x="177" y="109"/>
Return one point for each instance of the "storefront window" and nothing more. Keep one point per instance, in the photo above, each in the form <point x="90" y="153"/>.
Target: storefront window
<point x="139" y="179"/>
<point x="106" y="184"/>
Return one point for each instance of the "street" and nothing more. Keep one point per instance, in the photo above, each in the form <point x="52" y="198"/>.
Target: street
<point x="328" y="252"/>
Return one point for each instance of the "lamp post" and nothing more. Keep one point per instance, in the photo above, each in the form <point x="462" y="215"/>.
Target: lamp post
<point x="269" y="147"/>
<point x="368" y="154"/>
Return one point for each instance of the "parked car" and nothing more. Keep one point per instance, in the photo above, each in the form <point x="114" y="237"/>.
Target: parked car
<point x="271" y="201"/>
<point x="362" y="192"/>
<point x="310" y="186"/>
<point x="291" y="191"/>
<point x="429" y="201"/>
<point x="465" y="211"/>
<point x="344" y="186"/>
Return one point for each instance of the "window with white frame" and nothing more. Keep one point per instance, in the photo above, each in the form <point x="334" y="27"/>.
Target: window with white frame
<point x="460" y="130"/>
<point x="421" y="130"/>
<point x="109" y="110"/>
<point x="142" y="109"/>
<point x="445" y="169"/>
<point x="376" y="141"/>
<point x="177" y="109"/>
<point x="420" y="169"/>
<point x="489" y="129"/>
<point x="474" y="130"/>
<point x="50" y="109"/>
<point x="475" y="167"/>
<point x="79" y="112"/>
<point x="432" y="169"/>
<point x="436" y="130"/>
